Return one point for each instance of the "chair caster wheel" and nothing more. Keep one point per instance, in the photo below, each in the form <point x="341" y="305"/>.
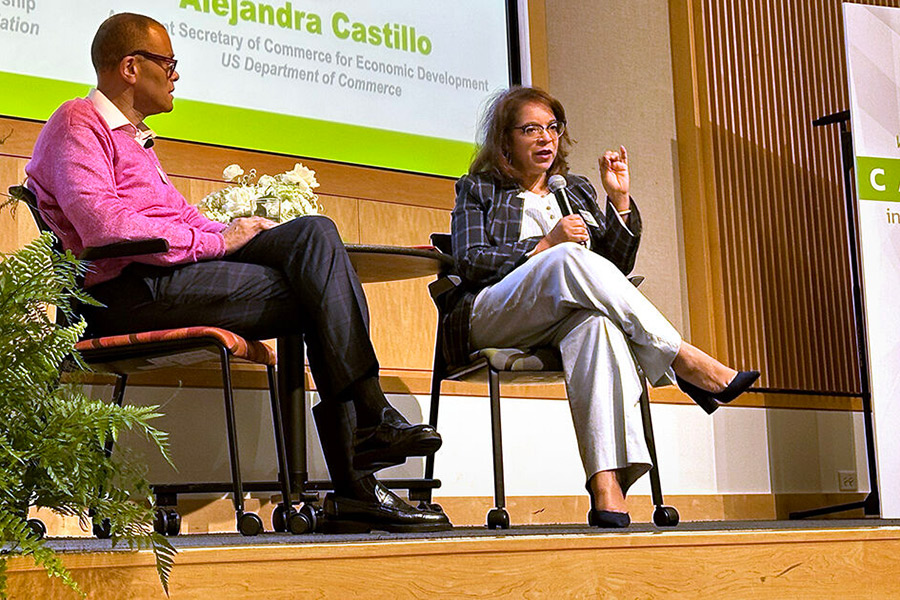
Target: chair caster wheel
<point x="173" y="526"/>
<point x="167" y="521"/>
<point x="431" y="506"/>
<point x="498" y="518"/>
<point x="299" y="523"/>
<point x="161" y="521"/>
<point x="101" y="528"/>
<point x="665" y="516"/>
<point x="37" y="528"/>
<point x="279" y="523"/>
<point x="312" y="514"/>
<point x="249" y="524"/>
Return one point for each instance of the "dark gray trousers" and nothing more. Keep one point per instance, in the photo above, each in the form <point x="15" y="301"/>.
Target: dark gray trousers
<point x="294" y="278"/>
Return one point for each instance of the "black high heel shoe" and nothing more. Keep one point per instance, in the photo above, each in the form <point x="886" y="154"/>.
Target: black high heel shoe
<point x="606" y="518"/>
<point x="609" y="519"/>
<point x="709" y="401"/>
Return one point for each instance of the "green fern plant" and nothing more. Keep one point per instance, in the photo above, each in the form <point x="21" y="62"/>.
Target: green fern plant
<point x="52" y="436"/>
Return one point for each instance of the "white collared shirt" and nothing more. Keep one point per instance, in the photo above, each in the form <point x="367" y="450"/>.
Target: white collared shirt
<point x="115" y="119"/>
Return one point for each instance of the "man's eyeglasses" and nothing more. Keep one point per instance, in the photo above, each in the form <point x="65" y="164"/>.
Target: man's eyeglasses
<point x="169" y="63"/>
<point x="534" y="131"/>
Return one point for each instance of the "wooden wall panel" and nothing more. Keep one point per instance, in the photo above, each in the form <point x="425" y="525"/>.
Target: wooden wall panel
<point x="345" y="214"/>
<point x="207" y="162"/>
<point x="16" y="229"/>
<point x="404" y="319"/>
<point x="750" y="77"/>
<point x="398" y="225"/>
<point x="8" y="229"/>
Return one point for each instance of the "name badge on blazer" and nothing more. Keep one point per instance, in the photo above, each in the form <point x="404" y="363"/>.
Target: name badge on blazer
<point x="588" y="218"/>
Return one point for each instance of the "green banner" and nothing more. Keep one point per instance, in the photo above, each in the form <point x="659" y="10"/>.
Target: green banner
<point x="36" y="98"/>
<point x="878" y="178"/>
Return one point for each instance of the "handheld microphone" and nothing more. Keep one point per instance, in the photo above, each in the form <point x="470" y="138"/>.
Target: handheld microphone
<point x="557" y="185"/>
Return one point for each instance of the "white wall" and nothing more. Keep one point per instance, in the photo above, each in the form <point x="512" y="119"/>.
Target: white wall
<point x="737" y="451"/>
<point x="610" y="65"/>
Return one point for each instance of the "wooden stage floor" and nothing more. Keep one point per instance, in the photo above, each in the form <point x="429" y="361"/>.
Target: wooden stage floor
<point x="738" y="559"/>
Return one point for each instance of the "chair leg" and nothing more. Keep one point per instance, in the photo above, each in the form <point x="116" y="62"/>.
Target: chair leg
<point x="284" y="476"/>
<point x="663" y="516"/>
<point x="292" y="394"/>
<point x="118" y="398"/>
<point x="101" y="526"/>
<point x="247" y="523"/>
<point x="436" y="379"/>
<point x="498" y="516"/>
<point x="285" y="518"/>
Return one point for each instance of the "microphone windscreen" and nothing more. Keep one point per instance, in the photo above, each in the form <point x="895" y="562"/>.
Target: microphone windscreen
<point x="556" y="182"/>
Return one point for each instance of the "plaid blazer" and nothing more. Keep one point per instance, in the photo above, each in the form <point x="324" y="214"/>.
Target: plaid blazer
<point x="485" y="227"/>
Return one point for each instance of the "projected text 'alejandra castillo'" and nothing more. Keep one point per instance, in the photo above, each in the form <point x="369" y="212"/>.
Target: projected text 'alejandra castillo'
<point x="395" y="36"/>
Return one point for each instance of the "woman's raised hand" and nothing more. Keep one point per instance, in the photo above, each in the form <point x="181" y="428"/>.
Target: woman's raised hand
<point x="614" y="177"/>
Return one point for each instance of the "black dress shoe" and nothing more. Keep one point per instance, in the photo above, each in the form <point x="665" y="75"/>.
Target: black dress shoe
<point x="380" y="510"/>
<point x="709" y="401"/>
<point x="608" y="518"/>
<point x="392" y="441"/>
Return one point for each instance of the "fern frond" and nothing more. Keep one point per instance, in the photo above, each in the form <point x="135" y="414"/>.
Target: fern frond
<point x="15" y="530"/>
<point x="52" y="437"/>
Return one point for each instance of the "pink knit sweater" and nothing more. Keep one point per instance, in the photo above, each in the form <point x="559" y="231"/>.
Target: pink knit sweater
<point x="95" y="187"/>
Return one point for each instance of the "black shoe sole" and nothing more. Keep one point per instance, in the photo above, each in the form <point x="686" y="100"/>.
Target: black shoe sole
<point x="351" y="526"/>
<point x="376" y="460"/>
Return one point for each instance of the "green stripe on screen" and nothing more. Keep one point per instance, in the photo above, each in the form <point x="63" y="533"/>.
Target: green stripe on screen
<point x="878" y="178"/>
<point x="36" y="98"/>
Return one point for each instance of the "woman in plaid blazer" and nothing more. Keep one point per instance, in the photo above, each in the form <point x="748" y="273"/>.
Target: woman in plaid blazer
<point x="546" y="270"/>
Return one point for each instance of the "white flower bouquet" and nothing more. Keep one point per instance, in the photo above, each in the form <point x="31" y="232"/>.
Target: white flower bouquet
<point x="280" y="198"/>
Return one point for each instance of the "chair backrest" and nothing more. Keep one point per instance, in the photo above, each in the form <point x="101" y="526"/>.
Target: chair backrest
<point x="446" y="281"/>
<point x="27" y="197"/>
<point x="115" y="250"/>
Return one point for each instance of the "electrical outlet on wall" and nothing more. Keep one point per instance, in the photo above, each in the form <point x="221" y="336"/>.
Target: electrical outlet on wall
<point x="847" y="481"/>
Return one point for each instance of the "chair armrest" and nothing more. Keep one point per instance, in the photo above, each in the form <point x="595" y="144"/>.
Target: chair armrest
<point x="128" y="248"/>
<point x="442" y="285"/>
<point x="442" y="243"/>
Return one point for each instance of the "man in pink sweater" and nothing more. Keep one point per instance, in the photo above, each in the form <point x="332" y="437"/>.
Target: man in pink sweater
<point x="98" y="181"/>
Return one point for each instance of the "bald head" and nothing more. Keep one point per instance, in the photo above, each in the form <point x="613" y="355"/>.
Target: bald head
<point x="117" y="36"/>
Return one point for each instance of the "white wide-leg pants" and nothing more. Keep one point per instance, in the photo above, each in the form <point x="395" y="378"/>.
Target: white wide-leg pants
<point x="606" y="331"/>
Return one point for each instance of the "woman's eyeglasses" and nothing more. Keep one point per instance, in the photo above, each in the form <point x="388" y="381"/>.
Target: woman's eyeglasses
<point x="534" y="131"/>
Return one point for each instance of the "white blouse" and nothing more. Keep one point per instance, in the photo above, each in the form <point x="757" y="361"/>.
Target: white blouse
<point x="540" y="214"/>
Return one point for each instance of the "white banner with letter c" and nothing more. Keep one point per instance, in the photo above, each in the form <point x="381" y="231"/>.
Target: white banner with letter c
<point x="872" y="38"/>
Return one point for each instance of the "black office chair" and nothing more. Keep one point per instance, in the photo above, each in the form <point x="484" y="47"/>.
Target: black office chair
<point x="520" y="366"/>
<point x="129" y="353"/>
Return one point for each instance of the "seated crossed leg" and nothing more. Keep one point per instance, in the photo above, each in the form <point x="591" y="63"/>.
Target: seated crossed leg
<point x="608" y="335"/>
